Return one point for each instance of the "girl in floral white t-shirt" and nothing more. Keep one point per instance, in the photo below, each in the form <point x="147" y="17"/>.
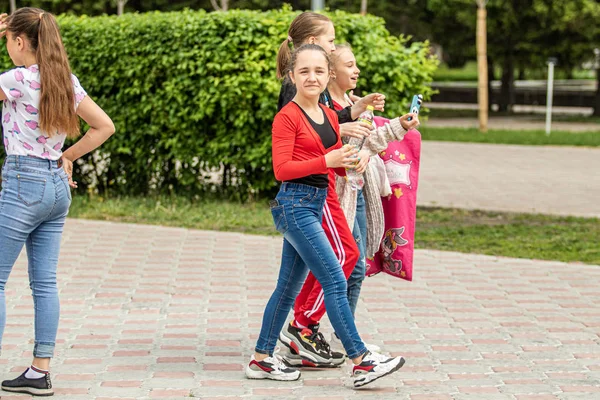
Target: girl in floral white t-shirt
<point x="42" y="105"/>
<point x="20" y="114"/>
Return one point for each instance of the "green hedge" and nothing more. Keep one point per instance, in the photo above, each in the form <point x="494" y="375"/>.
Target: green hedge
<point x="193" y="91"/>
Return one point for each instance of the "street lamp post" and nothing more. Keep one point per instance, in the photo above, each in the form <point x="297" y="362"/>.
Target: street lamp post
<point x="551" y="63"/>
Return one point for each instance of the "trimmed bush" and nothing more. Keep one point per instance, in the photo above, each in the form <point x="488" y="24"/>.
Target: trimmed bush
<point x="192" y="92"/>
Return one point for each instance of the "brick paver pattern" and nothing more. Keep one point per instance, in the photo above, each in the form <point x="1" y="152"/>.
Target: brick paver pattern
<point x="155" y="313"/>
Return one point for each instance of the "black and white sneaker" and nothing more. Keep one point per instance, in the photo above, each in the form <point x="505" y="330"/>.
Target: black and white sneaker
<point x="375" y="366"/>
<point x="311" y="345"/>
<point x="295" y="360"/>
<point x="271" y="368"/>
<point x="35" y="387"/>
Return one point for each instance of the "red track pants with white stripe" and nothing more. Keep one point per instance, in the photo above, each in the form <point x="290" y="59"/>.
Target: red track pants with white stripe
<point x="310" y="306"/>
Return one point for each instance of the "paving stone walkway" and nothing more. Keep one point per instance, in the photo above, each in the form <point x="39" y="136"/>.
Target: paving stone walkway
<point x="159" y="313"/>
<point x="559" y="180"/>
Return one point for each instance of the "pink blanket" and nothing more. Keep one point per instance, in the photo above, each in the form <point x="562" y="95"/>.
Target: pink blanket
<point x="401" y="159"/>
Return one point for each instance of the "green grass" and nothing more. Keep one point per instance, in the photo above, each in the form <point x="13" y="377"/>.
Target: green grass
<point x="559" y="138"/>
<point x="500" y="234"/>
<point x="509" y="234"/>
<point x="215" y="215"/>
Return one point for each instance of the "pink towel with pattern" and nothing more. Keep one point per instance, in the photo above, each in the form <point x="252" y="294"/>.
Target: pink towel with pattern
<point x="401" y="159"/>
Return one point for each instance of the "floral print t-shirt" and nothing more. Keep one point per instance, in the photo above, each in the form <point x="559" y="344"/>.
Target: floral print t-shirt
<point x="20" y="117"/>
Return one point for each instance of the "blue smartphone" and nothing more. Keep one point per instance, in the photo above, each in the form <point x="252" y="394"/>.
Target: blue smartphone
<point x="416" y="105"/>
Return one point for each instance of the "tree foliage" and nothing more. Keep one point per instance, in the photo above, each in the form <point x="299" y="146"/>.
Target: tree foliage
<point x="521" y="33"/>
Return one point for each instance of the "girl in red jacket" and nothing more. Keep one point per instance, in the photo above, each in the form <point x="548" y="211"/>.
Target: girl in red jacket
<point x="306" y="144"/>
<point x="309" y="307"/>
<point x="302" y="336"/>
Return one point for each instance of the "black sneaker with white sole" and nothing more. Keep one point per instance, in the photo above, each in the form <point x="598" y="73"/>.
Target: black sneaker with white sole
<point x="375" y="366"/>
<point x="35" y="387"/>
<point x="295" y="360"/>
<point x="271" y="368"/>
<point x="311" y="345"/>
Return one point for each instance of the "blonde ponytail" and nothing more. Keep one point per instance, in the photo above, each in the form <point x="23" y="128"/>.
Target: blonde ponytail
<point x="304" y="26"/>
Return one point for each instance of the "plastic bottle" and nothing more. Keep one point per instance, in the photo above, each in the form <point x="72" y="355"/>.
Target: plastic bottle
<point x="367" y="116"/>
<point x="357" y="181"/>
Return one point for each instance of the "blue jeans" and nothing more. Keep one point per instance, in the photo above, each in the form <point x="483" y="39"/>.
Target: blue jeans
<point x="34" y="203"/>
<point x="359" y="232"/>
<point x="297" y="212"/>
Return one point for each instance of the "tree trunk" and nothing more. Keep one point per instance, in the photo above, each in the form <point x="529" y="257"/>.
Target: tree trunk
<point x="569" y="72"/>
<point x="482" y="69"/>
<point x="507" y="87"/>
<point x="224" y="6"/>
<point x="363" y="7"/>
<point x="225" y="183"/>
<point x="121" y="6"/>
<point x="597" y="103"/>
<point x="13" y="6"/>
<point x="317" y="5"/>
<point x="491" y="77"/>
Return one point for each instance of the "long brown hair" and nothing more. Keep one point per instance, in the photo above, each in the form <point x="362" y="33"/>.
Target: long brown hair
<point x="302" y="28"/>
<point x="57" y="99"/>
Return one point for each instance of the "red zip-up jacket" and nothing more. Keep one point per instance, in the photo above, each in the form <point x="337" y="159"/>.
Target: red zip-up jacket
<point x="297" y="149"/>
